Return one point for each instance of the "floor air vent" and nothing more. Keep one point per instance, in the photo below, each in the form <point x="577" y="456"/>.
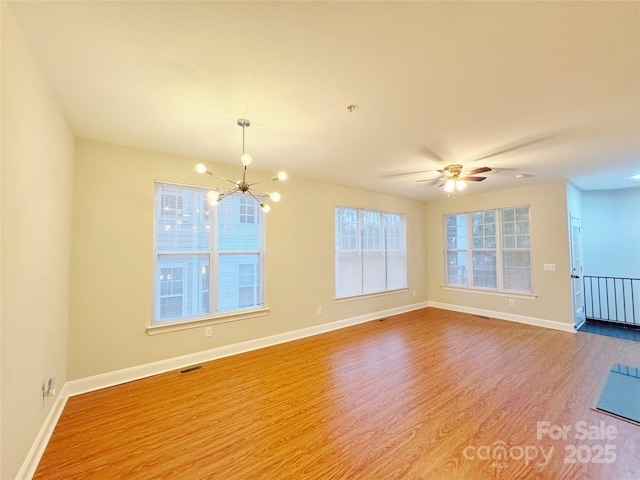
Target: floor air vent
<point x="191" y="369"/>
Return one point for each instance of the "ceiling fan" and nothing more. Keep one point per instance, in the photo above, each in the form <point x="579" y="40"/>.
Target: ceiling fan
<point x="454" y="176"/>
<point x="455" y="179"/>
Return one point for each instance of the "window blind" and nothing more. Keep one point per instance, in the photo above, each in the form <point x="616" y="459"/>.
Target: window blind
<point x="370" y="251"/>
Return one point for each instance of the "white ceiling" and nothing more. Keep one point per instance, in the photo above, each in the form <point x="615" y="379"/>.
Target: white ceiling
<point x="546" y="89"/>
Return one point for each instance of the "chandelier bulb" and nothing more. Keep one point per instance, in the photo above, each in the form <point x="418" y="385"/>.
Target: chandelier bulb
<point x="275" y="196"/>
<point x="246" y="159"/>
<point x="213" y="197"/>
<point x="201" y="168"/>
<point x="265" y="207"/>
<point x="282" y="175"/>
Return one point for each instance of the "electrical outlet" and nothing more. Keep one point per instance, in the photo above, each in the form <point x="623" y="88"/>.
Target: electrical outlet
<point x="207" y="331"/>
<point x="319" y="311"/>
<point x="512" y="302"/>
<point x="48" y="389"/>
<point x="414" y="293"/>
<point x="550" y="267"/>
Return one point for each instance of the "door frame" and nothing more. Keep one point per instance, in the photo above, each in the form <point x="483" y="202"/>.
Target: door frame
<point x="577" y="284"/>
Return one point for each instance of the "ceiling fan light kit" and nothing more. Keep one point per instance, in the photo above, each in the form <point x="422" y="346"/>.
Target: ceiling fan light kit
<point x="242" y="186"/>
<point x="453" y="185"/>
<point x="455" y="179"/>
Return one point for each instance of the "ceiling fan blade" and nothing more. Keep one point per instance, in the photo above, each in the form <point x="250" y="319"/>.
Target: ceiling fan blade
<point x="432" y="155"/>
<point x="429" y="180"/>
<point x="473" y="179"/>
<point x="404" y="174"/>
<point x="510" y="147"/>
<point x="478" y="170"/>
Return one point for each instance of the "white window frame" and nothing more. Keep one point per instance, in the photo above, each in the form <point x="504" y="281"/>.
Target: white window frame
<point x="375" y="242"/>
<point x="500" y="250"/>
<point x="210" y="224"/>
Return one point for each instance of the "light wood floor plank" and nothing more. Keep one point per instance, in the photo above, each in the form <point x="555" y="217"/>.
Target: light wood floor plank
<point x="414" y="396"/>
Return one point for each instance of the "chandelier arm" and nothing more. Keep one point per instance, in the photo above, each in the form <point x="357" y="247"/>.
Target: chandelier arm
<point x="228" y="192"/>
<point x="230" y="181"/>
<point x="272" y="179"/>
<point x="258" y="183"/>
<point x="254" y="197"/>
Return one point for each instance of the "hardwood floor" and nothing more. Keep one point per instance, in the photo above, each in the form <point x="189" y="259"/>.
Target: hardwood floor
<point x="429" y="394"/>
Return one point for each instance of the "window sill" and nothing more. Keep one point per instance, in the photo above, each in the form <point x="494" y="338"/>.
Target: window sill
<point x="203" y="322"/>
<point x="524" y="296"/>
<point x="369" y="295"/>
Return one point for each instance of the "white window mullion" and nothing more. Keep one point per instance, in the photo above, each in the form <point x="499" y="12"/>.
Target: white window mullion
<point x="470" y="250"/>
<point x="361" y="246"/>
<point x="214" y="261"/>
<point x="499" y="252"/>
<point x="387" y="245"/>
<point x="262" y="254"/>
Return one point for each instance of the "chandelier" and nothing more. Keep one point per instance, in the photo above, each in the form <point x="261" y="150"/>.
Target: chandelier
<point x="242" y="186"/>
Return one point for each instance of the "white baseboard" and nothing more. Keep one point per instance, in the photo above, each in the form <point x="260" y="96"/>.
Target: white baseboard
<point x="537" y="322"/>
<point x="109" y="379"/>
<point x="42" y="439"/>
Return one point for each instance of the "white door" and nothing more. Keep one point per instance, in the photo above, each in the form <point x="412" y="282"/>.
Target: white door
<point x="576" y="273"/>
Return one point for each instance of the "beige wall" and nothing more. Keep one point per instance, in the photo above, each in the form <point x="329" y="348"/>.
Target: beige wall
<point x="112" y="259"/>
<point x="550" y="244"/>
<point x="37" y="168"/>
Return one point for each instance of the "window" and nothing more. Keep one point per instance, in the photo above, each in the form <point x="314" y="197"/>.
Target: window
<point x="370" y="252"/>
<point x="248" y="210"/>
<point x="489" y="249"/>
<point x="192" y="240"/>
<point x="484" y="248"/>
<point x="516" y="253"/>
<point x="457" y="249"/>
<point x="248" y="284"/>
<point x="171" y="290"/>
